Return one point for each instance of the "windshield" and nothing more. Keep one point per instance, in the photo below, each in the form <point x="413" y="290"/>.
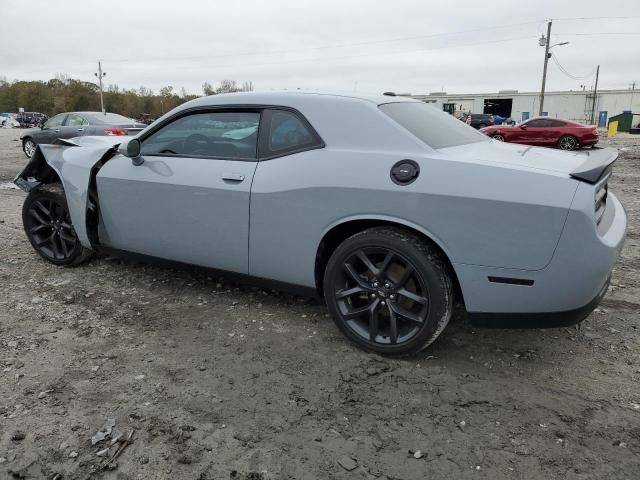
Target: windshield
<point x="435" y="128"/>
<point x="107" y="119"/>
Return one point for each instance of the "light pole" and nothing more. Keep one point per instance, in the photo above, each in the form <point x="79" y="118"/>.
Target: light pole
<point x="595" y="96"/>
<point x="100" y="74"/>
<point x="545" y="42"/>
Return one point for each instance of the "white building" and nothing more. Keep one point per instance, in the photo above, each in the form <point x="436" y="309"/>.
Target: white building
<point x="570" y="105"/>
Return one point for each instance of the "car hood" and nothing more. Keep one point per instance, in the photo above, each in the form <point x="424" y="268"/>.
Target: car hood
<point x="511" y="154"/>
<point x="29" y="132"/>
<point x="129" y="125"/>
<point x="501" y="127"/>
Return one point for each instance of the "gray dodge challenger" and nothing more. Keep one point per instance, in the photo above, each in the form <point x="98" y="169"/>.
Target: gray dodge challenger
<point x="388" y="208"/>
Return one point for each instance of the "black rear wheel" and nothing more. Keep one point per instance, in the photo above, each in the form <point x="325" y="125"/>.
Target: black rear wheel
<point x="568" y="142"/>
<point x="47" y="223"/>
<point x="388" y="290"/>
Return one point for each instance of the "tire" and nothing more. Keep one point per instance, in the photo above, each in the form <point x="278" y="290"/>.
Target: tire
<point x="29" y="147"/>
<point x="46" y="221"/>
<point x="406" y="283"/>
<point x="568" y="142"/>
<point x="498" y="138"/>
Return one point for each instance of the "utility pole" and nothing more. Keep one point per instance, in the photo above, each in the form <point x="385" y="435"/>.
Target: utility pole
<point x="547" y="42"/>
<point x="100" y="74"/>
<point x="595" y="96"/>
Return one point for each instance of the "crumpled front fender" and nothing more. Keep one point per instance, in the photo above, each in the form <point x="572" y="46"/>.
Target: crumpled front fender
<point x="72" y="165"/>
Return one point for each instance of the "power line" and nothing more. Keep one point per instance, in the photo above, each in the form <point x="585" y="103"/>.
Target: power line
<point x="598" y="18"/>
<point x="564" y="70"/>
<point x="383" y="41"/>
<point x="600" y="33"/>
<point x="391" y="52"/>
<point x="342" y="45"/>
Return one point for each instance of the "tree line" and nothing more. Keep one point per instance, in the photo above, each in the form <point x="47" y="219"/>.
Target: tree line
<point x="64" y="94"/>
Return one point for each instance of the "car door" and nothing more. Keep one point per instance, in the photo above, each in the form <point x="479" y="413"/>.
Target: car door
<point x="189" y="199"/>
<point x="530" y="133"/>
<point x="51" y="129"/>
<point x="73" y="126"/>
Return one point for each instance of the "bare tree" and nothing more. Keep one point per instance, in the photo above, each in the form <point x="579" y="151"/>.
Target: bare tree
<point x="166" y="91"/>
<point x="208" y="89"/>
<point x="228" y="86"/>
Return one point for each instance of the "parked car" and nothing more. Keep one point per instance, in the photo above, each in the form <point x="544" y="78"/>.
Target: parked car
<point x="8" y="120"/>
<point x="31" y="119"/>
<point x="385" y="206"/>
<point x="77" y="124"/>
<point x="546" y="132"/>
<point x="478" y="120"/>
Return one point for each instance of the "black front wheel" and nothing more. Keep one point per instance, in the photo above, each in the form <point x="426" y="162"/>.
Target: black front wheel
<point x="47" y="223"/>
<point x="29" y="147"/>
<point x="389" y="290"/>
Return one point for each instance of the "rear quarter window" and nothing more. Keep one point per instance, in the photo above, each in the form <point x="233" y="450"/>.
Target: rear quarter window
<point x="287" y="132"/>
<point x="435" y="128"/>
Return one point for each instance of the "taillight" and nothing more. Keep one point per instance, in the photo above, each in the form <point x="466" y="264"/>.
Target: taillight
<point x="114" y="131"/>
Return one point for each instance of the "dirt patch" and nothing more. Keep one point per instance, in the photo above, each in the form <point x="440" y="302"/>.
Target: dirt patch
<point x="223" y="381"/>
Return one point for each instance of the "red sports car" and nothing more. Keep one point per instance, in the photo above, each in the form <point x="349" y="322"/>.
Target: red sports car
<point x="545" y="131"/>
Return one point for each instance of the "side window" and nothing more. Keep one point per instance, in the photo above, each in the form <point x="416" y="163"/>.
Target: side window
<point x="56" y="121"/>
<point x="287" y="132"/>
<point x="229" y="134"/>
<point x="555" y="123"/>
<point x="537" y="123"/>
<point x="74" y="120"/>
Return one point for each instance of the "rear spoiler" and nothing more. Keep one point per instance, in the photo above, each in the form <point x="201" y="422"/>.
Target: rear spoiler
<point x="598" y="163"/>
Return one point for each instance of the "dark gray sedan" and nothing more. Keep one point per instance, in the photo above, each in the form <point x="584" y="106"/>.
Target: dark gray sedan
<point x="77" y="124"/>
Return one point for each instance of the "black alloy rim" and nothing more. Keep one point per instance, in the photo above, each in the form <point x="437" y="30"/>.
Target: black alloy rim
<point x="381" y="297"/>
<point x="567" y="143"/>
<point x="50" y="227"/>
<point x="29" y="147"/>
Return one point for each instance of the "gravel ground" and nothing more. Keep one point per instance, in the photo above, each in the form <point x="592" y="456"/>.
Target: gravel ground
<point x="219" y="381"/>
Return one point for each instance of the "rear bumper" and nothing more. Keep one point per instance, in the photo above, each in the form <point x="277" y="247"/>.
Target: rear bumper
<point x="538" y="320"/>
<point x="585" y="142"/>
<point x="562" y="293"/>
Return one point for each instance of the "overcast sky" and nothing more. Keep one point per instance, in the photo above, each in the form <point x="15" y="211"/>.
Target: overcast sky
<point x="367" y="46"/>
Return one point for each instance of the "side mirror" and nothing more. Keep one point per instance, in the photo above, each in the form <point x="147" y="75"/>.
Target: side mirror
<point x="131" y="149"/>
<point x="523" y="127"/>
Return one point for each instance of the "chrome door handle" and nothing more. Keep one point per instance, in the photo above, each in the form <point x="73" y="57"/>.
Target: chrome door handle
<point x="233" y="177"/>
<point x="57" y="130"/>
<point x="81" y="129"/>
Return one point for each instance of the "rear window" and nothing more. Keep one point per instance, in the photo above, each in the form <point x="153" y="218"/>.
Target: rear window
<point x="107" y="119"/>
<point x="435" y="128"/>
